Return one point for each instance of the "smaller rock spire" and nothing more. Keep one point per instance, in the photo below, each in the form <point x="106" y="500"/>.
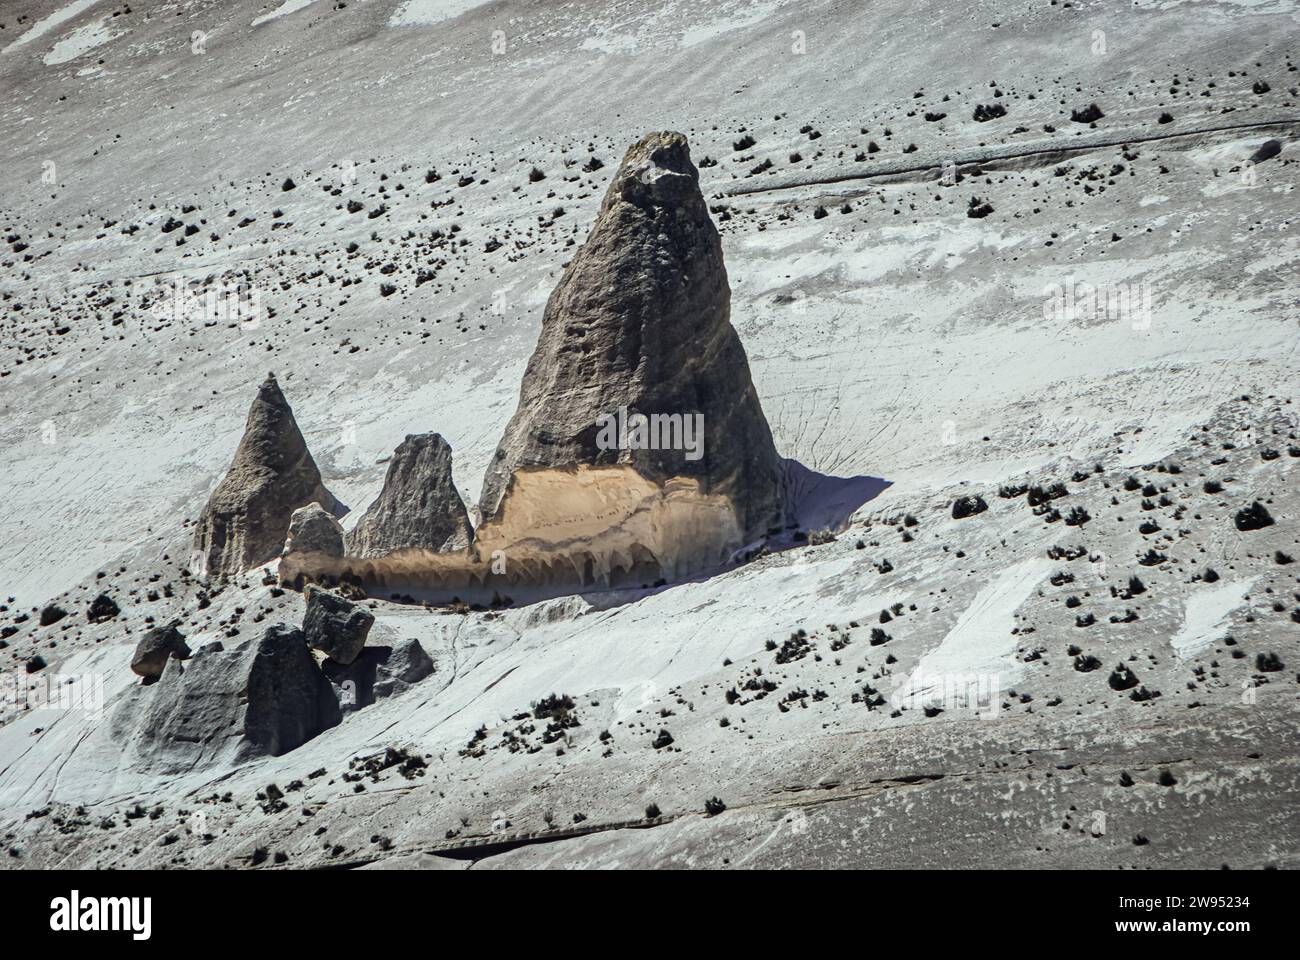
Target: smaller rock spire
<point x="247" y="517"/>
<point x="418" y="506"/>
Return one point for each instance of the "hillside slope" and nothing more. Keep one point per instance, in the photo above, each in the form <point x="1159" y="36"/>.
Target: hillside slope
<point x="938" y="300"/>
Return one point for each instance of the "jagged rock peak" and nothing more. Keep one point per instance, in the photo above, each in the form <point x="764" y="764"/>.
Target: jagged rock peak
<point x="418" y="506"/>
<point x="640" y="322"/>
<point x="247" y="517"/>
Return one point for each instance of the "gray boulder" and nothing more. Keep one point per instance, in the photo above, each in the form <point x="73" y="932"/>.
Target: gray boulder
<point x="335" y="626"/>
<point x="418" y="506"/>
<point x="154" y="650"/>
<point x="641" y="320"/>
<point x="377" y="673"/>
<point x="247" y="517"/>
<point x="313" y="529"/>
<point x="265" y="697"/>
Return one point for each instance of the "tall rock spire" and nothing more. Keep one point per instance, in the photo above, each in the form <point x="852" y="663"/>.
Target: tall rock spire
<point x="419" y="505"/>
<point x="640" y="324"/>
<point x="246" y="518"/>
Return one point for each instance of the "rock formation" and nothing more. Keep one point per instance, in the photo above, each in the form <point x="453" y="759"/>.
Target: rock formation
<point x="335" y="626"/>
<point x="418" y="506"/>
<point x="640" y="324"/>
<point x="377" y="673"/>
<point x="314" y="529"/>
<point x="246" y="519"/>
<point x="559" y="530"/>
<point x="639" y="452"/>
<point x="154" y="650"/>
<point x="264" y="697"/>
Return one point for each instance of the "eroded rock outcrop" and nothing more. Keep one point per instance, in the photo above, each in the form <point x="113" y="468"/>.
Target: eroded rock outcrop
<point x="418" y="506"/>
<point x="559" y="530"/>
<point x="640" y="324"/>
<point x="265" y="697"/>
<point x="247" y="517"/>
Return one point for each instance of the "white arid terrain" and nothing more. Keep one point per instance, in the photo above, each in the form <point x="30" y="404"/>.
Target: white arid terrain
<point x="934" y="307"/>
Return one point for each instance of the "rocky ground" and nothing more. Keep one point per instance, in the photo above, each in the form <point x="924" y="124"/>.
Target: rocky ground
<point x="1061" y="634"/>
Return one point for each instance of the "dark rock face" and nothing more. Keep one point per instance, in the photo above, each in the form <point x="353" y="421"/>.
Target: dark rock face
<point x="335" y="626"/>
<point x="1254" y="517"/>
<point x="377" y="673"/>
<point x="418" y="506"/>
<point x="245" y="521"/>
<point x="154" y="650"/>
<point x="641" y="320"/>
<point x="263" y="698"/>
<point x="313" y="529"/>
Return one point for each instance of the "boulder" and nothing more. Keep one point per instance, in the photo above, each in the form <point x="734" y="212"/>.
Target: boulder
<point x="154" y="650"/>
<point x="379" y="672"/>
<point x="418" y="506"/>
<point x="313" y="529"/>
<point x="640" y="324"/>
<point x="265" y="697"/>
<point x="335" y="626"/>
<point x="247" y="517"/>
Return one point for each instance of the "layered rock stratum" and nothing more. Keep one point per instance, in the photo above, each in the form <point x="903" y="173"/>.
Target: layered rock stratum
<point x="247" y="517"/>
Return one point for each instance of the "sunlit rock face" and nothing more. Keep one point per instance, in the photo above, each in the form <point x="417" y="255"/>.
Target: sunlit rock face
<point x="247" y="517"/>
<point x="419" y="505"/>
<point x="639" y="324"/>
<point x="558" y="531"/>
<point x="314" y="528"/>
